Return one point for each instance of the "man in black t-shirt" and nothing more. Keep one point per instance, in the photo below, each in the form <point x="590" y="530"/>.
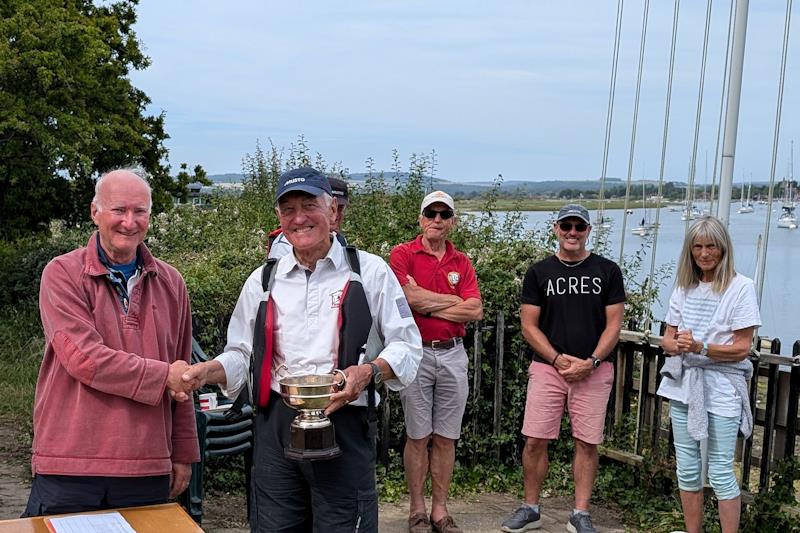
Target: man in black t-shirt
<point x="572" y="308"/>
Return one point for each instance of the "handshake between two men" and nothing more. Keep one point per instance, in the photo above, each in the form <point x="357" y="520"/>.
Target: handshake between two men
<point x="183" y="379"/>
<point x="180" y="383"/>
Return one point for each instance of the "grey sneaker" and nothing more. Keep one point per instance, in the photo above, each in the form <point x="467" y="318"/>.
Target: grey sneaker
<point x="523" y="519"/>
<point x="580" y="523"/>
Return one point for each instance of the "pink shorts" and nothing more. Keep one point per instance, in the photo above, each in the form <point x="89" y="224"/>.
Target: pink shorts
<point x="586" y="402"/>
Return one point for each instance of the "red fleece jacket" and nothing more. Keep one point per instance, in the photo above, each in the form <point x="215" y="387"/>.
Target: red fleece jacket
<point x="101" y="403"/>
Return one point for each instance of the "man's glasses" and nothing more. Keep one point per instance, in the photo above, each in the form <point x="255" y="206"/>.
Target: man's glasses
<point x="431" y="214"/>
<point x="580" y="227"/>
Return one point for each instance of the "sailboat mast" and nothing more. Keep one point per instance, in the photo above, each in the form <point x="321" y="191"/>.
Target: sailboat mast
<point x="732" y="112"/>
<point x="742" y="200"/>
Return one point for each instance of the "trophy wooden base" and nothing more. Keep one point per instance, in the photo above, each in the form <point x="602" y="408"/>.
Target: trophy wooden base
<point x="312" y="444"/>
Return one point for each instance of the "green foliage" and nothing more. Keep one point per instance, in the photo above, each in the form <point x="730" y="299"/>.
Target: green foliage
<point x="22" y="346"/>
<point x="224" y="474"/>
<point x="22" y="261"/>
<point x="68" y="109"/>
<point x="768" y="507"/>
<point x="390" y="478"/>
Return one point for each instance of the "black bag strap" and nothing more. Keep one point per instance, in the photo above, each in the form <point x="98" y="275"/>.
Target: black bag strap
<point x="351" y="254"/>
<point x="268" y="274"/>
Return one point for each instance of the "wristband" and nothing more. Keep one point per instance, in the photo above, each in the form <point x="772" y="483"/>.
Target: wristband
<point x="556" y="358"/>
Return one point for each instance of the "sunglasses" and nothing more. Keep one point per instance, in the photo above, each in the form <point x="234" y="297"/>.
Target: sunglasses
<point x="431" y="214"/>
<point x="567" y="226"/>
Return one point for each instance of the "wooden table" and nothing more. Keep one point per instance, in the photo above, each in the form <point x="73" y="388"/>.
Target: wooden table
<point x="149" y="519"/>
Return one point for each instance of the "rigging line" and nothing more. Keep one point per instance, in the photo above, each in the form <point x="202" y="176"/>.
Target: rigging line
<point x="633" y="128"/>
<point x="693" y="165"/>
<point x="725" y="87"/>
<point x="609" y="116"/>
<point x="649" y="280"/>
<point x="776" y="137"/>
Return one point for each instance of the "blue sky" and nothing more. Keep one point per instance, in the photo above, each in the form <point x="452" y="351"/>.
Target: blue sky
<point x="515" y="87"/>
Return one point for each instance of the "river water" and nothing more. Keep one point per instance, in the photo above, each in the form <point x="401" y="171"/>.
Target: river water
<point x="780" y="307"/>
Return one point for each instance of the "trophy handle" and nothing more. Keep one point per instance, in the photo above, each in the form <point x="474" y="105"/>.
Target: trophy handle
<point x="340" y="385"/>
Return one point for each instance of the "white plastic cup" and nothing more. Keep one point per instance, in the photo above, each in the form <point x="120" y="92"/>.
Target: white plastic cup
<point x="208" y="401"/>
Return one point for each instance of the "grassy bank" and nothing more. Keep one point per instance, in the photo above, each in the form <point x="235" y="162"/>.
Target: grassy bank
<point x="22" y="344"/>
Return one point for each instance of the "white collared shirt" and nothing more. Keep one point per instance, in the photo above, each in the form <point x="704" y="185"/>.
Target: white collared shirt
<point x="306" y="320"/>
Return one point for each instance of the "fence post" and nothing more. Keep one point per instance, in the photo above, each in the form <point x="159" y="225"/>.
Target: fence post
<point x="498" y="381"/>
<point x="747" y="448"/>
<point x="477" y="370"/>
<point x="769" y="418"/>
<point x="791" y="412"/>
<point x="477" y="351"/>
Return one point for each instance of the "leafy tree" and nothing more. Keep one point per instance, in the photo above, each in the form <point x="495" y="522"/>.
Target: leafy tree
<point x="68" y="110"/>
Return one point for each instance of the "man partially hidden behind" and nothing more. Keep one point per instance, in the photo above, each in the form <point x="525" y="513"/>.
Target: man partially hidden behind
<point x="442" y="289"/>
<point x="306" y="327"/>
<point x="117" y="326"/>
<point x="572" y="308"/>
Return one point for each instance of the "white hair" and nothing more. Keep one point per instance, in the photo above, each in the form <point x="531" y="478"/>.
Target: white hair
<point x="139" y="172"/>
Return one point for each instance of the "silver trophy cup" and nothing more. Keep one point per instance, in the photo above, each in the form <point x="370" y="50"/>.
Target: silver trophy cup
<point x="312" y="433"/>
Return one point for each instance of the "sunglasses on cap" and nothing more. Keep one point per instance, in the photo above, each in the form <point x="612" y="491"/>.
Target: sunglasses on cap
<point x="567" y="226"/>
<point x="431" y="214"/>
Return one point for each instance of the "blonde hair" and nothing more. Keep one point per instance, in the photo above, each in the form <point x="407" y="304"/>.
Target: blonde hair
<point x="689" y="274"/>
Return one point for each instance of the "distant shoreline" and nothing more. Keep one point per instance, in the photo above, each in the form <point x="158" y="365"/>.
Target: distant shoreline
<point x="505" y="204"/>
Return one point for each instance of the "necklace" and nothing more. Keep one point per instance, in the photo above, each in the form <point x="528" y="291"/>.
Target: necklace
<point x="572" y="265"/>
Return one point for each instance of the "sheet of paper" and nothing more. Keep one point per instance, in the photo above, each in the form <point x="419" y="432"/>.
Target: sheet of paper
<point x="91" y="523"/>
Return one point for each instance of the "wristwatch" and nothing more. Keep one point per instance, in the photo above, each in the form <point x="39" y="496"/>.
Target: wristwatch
<point x="595" y="361"/>
<point x="377" y="376"/>
<point x="704" y="349"/>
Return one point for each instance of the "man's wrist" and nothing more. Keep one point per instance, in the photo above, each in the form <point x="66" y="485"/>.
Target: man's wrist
<point x="553" y="362"/>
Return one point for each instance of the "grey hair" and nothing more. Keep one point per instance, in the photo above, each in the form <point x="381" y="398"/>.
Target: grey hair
<point x="139" y="172"/>
<point x="689" y="274"/>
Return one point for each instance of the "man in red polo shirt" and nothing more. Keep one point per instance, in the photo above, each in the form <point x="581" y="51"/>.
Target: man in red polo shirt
<point x="442" y="290"/>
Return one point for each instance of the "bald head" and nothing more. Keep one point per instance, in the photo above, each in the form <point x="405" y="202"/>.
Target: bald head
<point x="121" y="212"/>
<point x="125" y="179"/>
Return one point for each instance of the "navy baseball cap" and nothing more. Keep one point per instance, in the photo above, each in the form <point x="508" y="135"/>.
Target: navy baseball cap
<point x="304" y="179"/>
<point x="339" y="190"/>
<point x="573" y="210"/>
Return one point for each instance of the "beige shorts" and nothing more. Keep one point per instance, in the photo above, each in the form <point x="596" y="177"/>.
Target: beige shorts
<point x="435" y="401"/>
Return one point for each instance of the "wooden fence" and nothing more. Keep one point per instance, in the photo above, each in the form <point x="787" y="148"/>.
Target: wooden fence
<point x="774" y="392"/>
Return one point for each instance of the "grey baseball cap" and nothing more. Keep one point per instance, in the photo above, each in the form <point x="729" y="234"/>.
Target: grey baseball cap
<point x="573" y="210"/>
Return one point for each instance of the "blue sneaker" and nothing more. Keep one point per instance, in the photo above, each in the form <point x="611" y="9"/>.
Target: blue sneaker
<point x="580" y="523"/>
<point x="523" y="519"/>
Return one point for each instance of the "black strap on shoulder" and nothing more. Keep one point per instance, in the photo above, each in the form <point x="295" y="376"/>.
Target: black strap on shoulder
<point x="351" y="253"/>
<point x="266" y="274"/>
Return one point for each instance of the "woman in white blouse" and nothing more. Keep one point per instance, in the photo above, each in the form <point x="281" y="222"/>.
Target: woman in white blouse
<point x="710" y="323"/>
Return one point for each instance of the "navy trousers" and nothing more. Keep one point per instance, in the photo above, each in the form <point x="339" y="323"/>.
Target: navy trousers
<point x="333" y="496"/>
<point x="54" y="494"/>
